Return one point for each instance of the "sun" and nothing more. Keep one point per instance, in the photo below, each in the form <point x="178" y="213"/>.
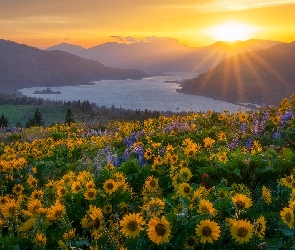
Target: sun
<point x="232" y="31"/>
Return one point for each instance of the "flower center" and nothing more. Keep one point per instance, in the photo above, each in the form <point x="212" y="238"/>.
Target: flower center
<point x="240" y="204"/>
<point x="205" y="209"/>
<point x="160" y="229"/>
<point x="96" y="223"/>
<point x="190" y="241"/>
<point x="36" y="207"/>
<point x="11" y="210"/>
<point x="152" y="183"/>
<point x="242" y="232"/>
<point x="132" y="225"/>
<point x="288" y="217"/>
<point x="259" y="227"/>
<point x="110" y="186"/>
<point x="58" y="213"/>
<point x="186" y="190"/>
<point x="91" y="194"/>
<point x="207" y="231"/>
<point x="62" y="191"/>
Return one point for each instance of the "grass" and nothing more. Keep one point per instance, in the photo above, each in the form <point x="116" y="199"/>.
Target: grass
<point x="51" y="114"/>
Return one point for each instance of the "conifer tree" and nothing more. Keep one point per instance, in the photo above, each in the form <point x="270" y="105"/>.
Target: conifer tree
<point x="37" y="120"/>
<point x="69" y="117"/>
<point x="3" y="121"/>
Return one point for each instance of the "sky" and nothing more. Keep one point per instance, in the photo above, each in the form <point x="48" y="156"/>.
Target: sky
<point x="43" y="23"/>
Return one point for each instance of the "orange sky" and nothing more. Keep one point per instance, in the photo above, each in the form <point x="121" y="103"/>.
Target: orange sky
<point x="91" y="22"/>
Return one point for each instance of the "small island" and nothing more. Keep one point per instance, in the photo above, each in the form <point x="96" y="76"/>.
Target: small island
<point x="46" y="91"/>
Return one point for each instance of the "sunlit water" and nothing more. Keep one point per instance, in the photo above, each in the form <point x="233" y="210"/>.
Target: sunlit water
<point x="149" y="93"/>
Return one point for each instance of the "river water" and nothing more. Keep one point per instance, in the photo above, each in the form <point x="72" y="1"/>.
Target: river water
<point x="151" y="93"/>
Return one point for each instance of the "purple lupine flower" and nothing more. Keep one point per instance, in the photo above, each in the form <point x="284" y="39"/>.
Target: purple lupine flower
<point x="277" y="135"/>
<point x="243" y="127"/>
<point x="285" y="118"/>
<point x="126" y="155"/>
<point x="115" y="160"/>
<point x="249" y="143"/>
<point x="233" y="144"/>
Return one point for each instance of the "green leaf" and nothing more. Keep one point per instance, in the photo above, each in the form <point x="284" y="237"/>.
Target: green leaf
<point x="288" y="154"/>
<point x="81" y="243"/>
<point x="285" y="229"/>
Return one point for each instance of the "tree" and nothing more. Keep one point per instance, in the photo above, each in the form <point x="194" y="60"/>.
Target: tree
<point x="3" y="121"/>
<point x="36" y="121"/>
<point x="69" y="117"/>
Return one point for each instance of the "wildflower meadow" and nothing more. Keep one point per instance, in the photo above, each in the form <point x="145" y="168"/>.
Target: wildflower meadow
<point x="214" y="180"/>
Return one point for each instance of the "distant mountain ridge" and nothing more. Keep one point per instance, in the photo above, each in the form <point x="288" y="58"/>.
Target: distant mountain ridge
<point x="157" y="54"/>
<point x="260" y="77"/>
<point x="24" y="66"/>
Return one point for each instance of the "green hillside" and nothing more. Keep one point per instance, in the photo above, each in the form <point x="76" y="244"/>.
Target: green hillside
<point x="51" y="114"/>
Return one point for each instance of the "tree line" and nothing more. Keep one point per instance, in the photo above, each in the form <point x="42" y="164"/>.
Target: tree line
<point x="92" y="111"/>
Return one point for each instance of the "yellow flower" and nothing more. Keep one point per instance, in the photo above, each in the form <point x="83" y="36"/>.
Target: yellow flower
<point x="110" y="186"/>
<point x="266" y="194"/>
<point x="155" y="206"/>
<point x="276" y="120"/>
<point x="61" y="191"/>
<point x="173" y="159"/>
<point x="90" y="194"/>
<point x="185" y="174"/>
<point x="221" y="136"/>
<point x="208" y="231"/>
<point x="259" y="226"/>
<point x="40" y="240"/>
<point x="241" y="231"/>
<point x="107" y="209"/>
<point x="184" y="189"/>
<point x="70" y="234"/>
<point x="34" y="205"/>
<point x="37" y="194"/>
<point x="208" y="142"/>
<point x="76" y="187"/>
<point x="18" y="189"/>
<point x="222" y="157"/>
<point x="32" y="182"/>
<point x="10" y="208"/>
<point x="95" y="214"/>
<point x="148" y="154"/>
<point x="243" y="117"/>
<point x="222" y="193"/>
<point x="90" y="184"/>
<point x="287" y="181"/>
<point x="158" y="230"/>
<point x="191" y="149"/>
<point x="241" y="201"/>
<point x="27" y="225"/>
<point x="151" y="184"/>
<point x="191" y="242"/>
<point x="132" y="225"/>
<point x="206" y="207"/>
<point x="287" y="215"/>
<point x="56" y="211"/>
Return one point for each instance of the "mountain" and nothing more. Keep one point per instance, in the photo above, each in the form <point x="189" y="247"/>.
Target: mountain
<point x="23" y="66"/>
<point x="260" y="77"/>
<point x="156" y="54"/>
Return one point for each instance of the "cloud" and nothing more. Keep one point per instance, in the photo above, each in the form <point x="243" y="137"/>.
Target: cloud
<point x="125" y="39"/>
<point x="228" y="5"/>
